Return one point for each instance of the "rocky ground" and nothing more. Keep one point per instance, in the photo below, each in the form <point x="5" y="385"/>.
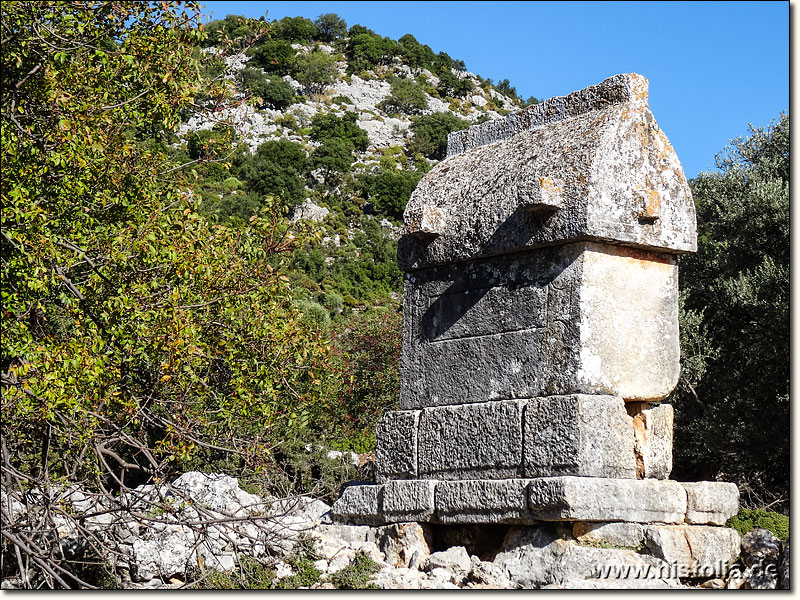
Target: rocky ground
<point x="206" y="527"/>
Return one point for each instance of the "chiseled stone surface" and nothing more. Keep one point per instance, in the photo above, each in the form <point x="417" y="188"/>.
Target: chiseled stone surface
<point x="408" y="500"/>
<point x="652" y="427"/>
<point x="697" y="550"/>
<point x="630" y="535"/>
<point x="472" y="441"/>
<point x="396" y="445"/>
<point x="602" y="499"/>
<point x="482" y="501"/>
<point x="587" y="436"/>
<point x="578" y="318"/>
<point x="711" y="502"/>
<point x="605" y="172"/>
<point x="360" y="504"/>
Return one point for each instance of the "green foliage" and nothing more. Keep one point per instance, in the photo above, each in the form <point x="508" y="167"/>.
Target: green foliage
<point x="234" y="31"/>
<point x="357" y="575"/>
<point x="407" y="97"/>
<point x="418" y="56"/>
<point x="273" y="91"/>
<point x="749" y="519"/>
<point x="274" y="56"/>
<point x="129" y="320"/>
<point x="732" y="404"/>
<point x="314" y="313"/>
<point x="430" y="134"/>
<point x="294" y="29"/>
<point x="390" y="189"/>
<point x="278" y="168"/>
<point x="505" y="88"/>
<point x="368" y="358"/>
<point x="315" y="70"/>
<point x="328" y="126"/>
<point x="334" y="156"/>
<point x="250" y="574"/>
<point x="330" y="27"/>
<point x="453" y="86"/>
<point x="367" y="50"/>
<point x="310" y="471"/>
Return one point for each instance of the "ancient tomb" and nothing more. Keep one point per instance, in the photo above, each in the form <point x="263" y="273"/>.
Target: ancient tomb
<point x="541" y="326"/>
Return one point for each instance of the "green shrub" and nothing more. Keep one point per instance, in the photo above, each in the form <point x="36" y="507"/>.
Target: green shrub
<point x="278" y="168"/>
<point x="315" y="70"/>
<point x="250" y="574"/>
<point x="310" y="472"/>
<point x="295" y="29"/>
<point x="430" y="133"/>
<point x="357" y="575"/>
<point x="334" y="156"/>
<point x="455" y="87"/>
<point x="407" y="97"/>
<point x="368" y="50"/>
<point x="330" y="26"/>
<point x="748" y="519"/>
<point x="329" y="126"/>
<point x="274" y="56"/>
<point x="273" y="91"/>
<point x="390" y="189"/>
<point x="314" y="313"/>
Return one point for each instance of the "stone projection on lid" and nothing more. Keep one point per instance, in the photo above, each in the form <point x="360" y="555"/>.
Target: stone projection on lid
<point x="540" y="256"/>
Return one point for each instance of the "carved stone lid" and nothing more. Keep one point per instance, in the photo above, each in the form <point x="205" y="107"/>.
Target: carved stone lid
<point x="593" y="165"/>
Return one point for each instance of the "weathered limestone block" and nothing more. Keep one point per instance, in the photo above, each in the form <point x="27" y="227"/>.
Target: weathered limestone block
<point x="601" y="499"/>
<point x="711" y="502"/>
<point x="405" y="545"/>
<point x="482" y="501"/>
<point x="588" y="436"/>
<point x="361" y="504"/>
<point x="652" y="427"/>
<point x="471" y="441"/>
<point x="408" y="500"/>
<point x="630" y="535"/>
<point x="697" y="550"/>
<point x="495" y="329"/>
<point x="396" y="445"/>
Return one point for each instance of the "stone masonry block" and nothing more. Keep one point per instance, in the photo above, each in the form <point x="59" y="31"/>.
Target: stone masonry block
<point x="652" y="428"/>
<point x="396" y="445"/>
<point x="495" y="328"/>
<point x="409" y="500"/>
<point x="360" y="504"/>
<point x="601" y="499"/>
<point x="697" y="550"/>
<point x="711" y="502"/>
<point x="587" y="436"/>
<point x="482" y="501"/>
<point x="471" y="441"/>
<point x="629" y="535"/>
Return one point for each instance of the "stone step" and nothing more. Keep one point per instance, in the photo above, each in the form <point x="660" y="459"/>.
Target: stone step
<point x="518" y="500"/>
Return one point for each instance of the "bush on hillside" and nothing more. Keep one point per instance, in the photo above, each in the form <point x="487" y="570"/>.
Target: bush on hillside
<point x="330" y="27"/>
<point x="274" y="92"/>
<point x="430" y="134"/>
<point x="406" y="97"/>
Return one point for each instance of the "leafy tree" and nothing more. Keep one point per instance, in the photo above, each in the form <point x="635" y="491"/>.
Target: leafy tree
<point x="315" y="70"/>
<point x="732" y="406"/>
<point x="234" y="31"/>
<point x="329" y="126"/>
<point x="532" y="100"/>
<point x="273" y="91"/>
<point x="407" y="96"/>
<point x="368" y="50"/>
<point x="418" y="56"/>
<point x="274" y="56"/>
<point x="278" y="168"/>
<point x="390" y="189"/>
<point x="455" y="87"/>
<point x="505" y="87"/>
<point x="137" y="336"/>
<point x="294" y="29"/>
<point x="359" y="30"/>
<point x="330" y="26"/>
<point x="334" y="156"/>
<point x="430" y="133"/>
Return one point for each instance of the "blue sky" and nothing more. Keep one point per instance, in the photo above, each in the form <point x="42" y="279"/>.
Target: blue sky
<point x="714" y="67"/>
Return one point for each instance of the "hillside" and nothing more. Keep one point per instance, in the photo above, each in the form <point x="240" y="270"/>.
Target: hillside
<point x="338" y="126"/>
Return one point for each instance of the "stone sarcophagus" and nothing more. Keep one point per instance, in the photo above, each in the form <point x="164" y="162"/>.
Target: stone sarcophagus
<point x="541" y="325"/>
